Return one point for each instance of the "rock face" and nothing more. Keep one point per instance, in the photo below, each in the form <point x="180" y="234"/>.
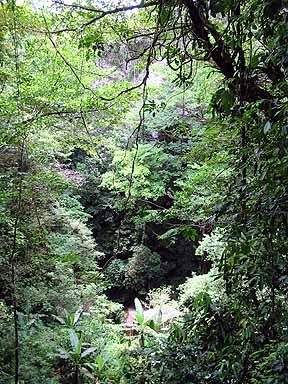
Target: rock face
<point x="179" y="256"/>
<point x="130" y="321"/>
<point x="130" y="316"/>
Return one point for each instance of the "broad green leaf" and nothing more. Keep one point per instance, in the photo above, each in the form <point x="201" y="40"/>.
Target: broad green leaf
<point x="139" y="318"/>
<point x="88" y="352"/>
<point x="73" y="339"/>
<point x="70" y="319"/>
<point x="151" y="324"/>
<point x="267" y="127"/>
<point x="77" y="317"/>
<point x="78" y="347"/>
<point x="100" y="362"/>
<point x="139" y="308"/>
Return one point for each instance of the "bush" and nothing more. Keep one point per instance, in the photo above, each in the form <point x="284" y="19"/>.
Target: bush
<point x="143" y="269"/>
<point x="115" y="272"/>
<point x="209" y="283"/>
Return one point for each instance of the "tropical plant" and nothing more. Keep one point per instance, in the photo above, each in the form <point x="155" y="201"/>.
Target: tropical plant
<point x="153" y="324"/>
<point x="77" y="355"/>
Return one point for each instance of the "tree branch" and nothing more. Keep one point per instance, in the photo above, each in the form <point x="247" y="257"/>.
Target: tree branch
<point x="218" y="53"/>
<point x="102" y="14"/>
<point x="112" y="11"/>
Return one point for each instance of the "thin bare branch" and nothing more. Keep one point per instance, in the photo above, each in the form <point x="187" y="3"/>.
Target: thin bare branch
<point x="111" y="11"/>
<point x="102" y="14"/>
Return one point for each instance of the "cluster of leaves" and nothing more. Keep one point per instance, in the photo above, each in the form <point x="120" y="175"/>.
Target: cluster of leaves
<point x="139" y="273"/>
<point x="148" y="178"/>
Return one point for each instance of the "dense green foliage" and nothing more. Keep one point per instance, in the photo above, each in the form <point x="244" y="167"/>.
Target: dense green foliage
<point x="144" y="175"/>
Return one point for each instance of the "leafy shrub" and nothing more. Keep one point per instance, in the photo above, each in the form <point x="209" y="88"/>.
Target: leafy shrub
<point x="161" y="296"/>
<point x="211" y="247"/>
<point x="201" y="283"/>
<point x="115" y="272"/>
<point x="143" y="269"/>
<point x="271" y="364"/>
<point x="72" y="240"/>
<point x="140" y="272"/>
<point x="150" y="163"/>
